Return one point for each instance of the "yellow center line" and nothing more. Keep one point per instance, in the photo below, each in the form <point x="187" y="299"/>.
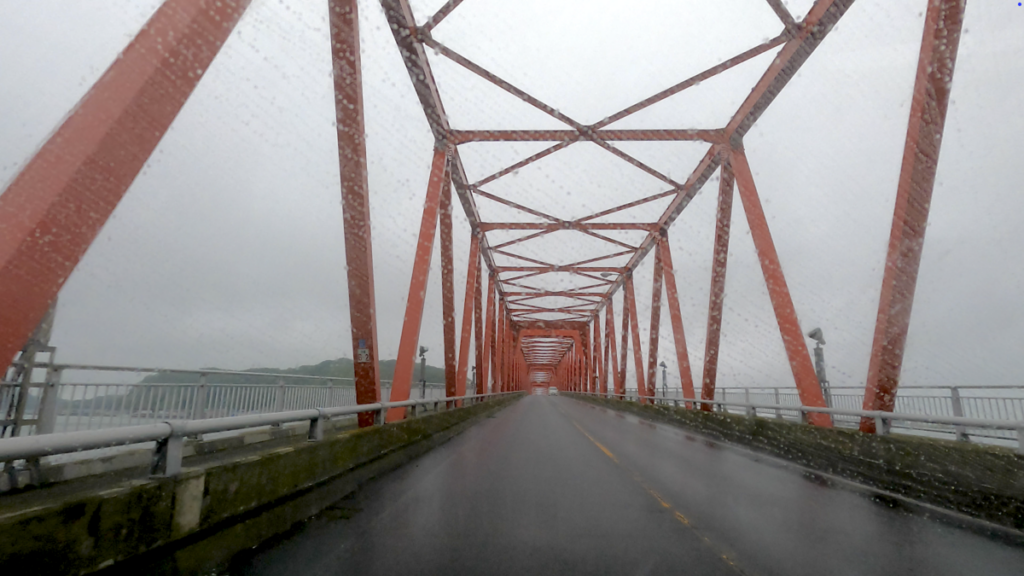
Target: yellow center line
<point x="606" y="451"/>
<point x="677" y="514"/>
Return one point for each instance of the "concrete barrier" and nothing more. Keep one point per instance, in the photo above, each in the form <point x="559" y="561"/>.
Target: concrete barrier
<point x="197" y="520"/>
<point x="980" y="482"/>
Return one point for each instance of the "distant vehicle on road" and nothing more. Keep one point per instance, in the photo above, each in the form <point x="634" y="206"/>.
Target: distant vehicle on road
<point x="552" y="391"/>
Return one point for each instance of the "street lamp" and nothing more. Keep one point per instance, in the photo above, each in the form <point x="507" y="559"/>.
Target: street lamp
<point x="423" y="371"/>
<point x="664" y="379"/>
<point x="819" y="364"/>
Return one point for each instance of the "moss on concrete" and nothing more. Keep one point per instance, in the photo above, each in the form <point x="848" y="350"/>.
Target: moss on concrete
<point x="192" y="522"/>
<point x="984" y="482"/>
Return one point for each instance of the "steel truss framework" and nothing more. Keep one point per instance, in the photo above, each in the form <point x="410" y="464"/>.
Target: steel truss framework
<point x="56" y="206"/>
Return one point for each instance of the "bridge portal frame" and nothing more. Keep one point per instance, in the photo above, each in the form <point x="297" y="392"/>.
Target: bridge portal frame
<point x="57" y="204"/>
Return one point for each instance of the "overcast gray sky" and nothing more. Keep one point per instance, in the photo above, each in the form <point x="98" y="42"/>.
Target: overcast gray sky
<point x="227" y="250"/>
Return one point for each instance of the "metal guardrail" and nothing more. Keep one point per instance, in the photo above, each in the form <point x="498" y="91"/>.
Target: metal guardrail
<point x="883" y="420"/>
<point x="982" y="402"/>
<point x="57" y="406"/>
<point x="170" y="435"/>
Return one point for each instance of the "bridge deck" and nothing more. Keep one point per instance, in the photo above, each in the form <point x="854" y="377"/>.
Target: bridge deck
<point x="554" y="486"/>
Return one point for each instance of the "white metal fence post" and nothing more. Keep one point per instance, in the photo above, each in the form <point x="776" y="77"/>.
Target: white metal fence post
<point x="199" y="408"/>
<point x="958" y="410"/>
<point x="47" y="422"/>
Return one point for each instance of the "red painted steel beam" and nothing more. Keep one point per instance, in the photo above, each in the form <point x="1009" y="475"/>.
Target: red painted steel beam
<point x="488" y="226"/>
<point x="539" y="309"/>
<point x="53" y="210"/>
<point x="585" y="362"/>
<point x="441" y="14"/>
<point x="647" y="135"/>
<point x="623" y="351"/>
<point x="478" y="330"/>
<point x="638" y="355"/>
<point x="601" y="384"/>
<point x="600" y="258"/>
<point x="611" y="355"/>
<point x="524" y="162"/>
<point x="404" y="29"/>
<point x="523" y="239"/>
<point x="355" y="201"/>
<point x="489" y="337"/>
<point x="618" y="243"/>
<point x="584" y="131"/>
<point x="499" y="351"/>
<point x="467" y="316"/>
<point x="676" y="317"/>
<point x="522" y="258"/>
<point x="937" y="61"/>
<point x="561" y="293"/>
<point x="402" y="381"/>
<point x="551" y="269"/>
<point x="515" y="205"/>
<point x="510" y="350"/>
<point x="448" y="288"/>
<point x="681" y="198"/>
<point x="692" y="81"/>
<point x="820" y="20"/>
<point x="552" y="325"/>
<point x="783" y="13"/>
<point x="586" y="304"/>
<point x="653" y="337"/>
<point x="627" y="206"/>
<point x="806" y="379"/>
<point x="719" y="264"/>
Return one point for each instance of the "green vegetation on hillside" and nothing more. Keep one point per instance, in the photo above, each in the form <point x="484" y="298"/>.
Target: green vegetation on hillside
<point x="339" y="368"/>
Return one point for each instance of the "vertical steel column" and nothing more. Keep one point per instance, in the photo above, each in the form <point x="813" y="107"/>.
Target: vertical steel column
<point x="581" y="367"/>
<point x="652" y="350"/>
<point x="502" y="325"/>
<point x="510" y="358"/>
<point x="625" y="341"/>
<point x="499" y="349"/>
<point x="448" y="289"/>
<point x="478" y="330"/>
<point x="719" y="262"/>
<point x="806" y="379"/>
<point x="570" y="370"/>
<point x="489" y="337"/>
<point x="676" y="316"/>
<point x="467" y="315"/>
<point x="55" y="207"/>
<point x="612" y="354"/>
<point x="576" y="371"/>
<point x="585" y="362"/>
<point x="509" y="344"/>
<point x="355" y="200"/>
<point x="600" y="366"/>
<point x="641" y="387"/>
<point x="401" y="382"/>
<point x="939" y="46"/>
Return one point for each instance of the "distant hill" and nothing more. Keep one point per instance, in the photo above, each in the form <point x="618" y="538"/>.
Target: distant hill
<point x="339" y="368"/>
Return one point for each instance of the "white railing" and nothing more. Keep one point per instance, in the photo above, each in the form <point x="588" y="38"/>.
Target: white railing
<point x="977" y="402"/>
<point x="885" y="422"/>
<point x="170" y="435"/>
<point x="56" y="406"/>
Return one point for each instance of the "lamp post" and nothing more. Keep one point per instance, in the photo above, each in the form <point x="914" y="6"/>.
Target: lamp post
<point x="664" y="379"/>
<point x="819" y="363"/>
<point x="423" y="371"/>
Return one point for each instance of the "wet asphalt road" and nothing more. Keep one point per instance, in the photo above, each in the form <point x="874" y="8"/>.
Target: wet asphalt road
<point x="551" y="485"/>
